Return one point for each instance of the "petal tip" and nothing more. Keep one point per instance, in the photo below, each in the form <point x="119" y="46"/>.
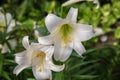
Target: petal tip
<point x="25" y="42"/>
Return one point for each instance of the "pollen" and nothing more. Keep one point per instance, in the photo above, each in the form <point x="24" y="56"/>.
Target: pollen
<point x="41" y="57"/>
<point x="66" y="39"/>
<point x="40" y="54"/>
<point x="66" y="31"/>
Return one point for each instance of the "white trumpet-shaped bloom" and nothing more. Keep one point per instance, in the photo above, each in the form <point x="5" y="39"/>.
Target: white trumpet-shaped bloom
<point x="6" y="20"/>
<point x="39" y="58"/>
<point x="75" y="1"/>
<point x="66" y="34"/>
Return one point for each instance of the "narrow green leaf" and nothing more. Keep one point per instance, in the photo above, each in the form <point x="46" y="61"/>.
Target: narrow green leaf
<point x="85" y="76"/>
<point x="81" y="64"/>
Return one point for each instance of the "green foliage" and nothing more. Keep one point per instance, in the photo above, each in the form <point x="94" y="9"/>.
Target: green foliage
<point x="117" y="33"/>
<point x="100" y="62"/>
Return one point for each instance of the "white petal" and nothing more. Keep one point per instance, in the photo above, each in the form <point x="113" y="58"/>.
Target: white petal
<point x="48" y="50"/>
<point x="13" y="43"/>
<point x="46" y="40"/>
<point x="84" y="32"/>
<point x="21" y="54"/>
<point x="19" y="68"/>
<point x="52" y="22"/>
<point x="20" y="57"/>
<point x="70" y="2"/>
<point x="2" y="19"/>
<point x="56" y="68"/>
<point x="9" y="18"/>
<point x="45" y="74"/>
<point x="78" y="47"/>
<point x="62" y="53"/>
<point x="25" y="42"/>
<point x="68" y="52"/>
<point x="5" y="49"/>
<point x="11" y="26"/>
<point x="72" y="14"/>
<point x="20" y="60"/>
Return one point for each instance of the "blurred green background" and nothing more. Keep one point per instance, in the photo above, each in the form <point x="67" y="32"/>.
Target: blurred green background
<point x="100" y="62"/>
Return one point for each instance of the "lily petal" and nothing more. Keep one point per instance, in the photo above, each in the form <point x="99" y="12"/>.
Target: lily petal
<point x="25" y="42"/>
<point x="52" y="22"/>
<point x="70" y="2"/>
<point x="48" y="50"/>
<point x="19" y="68"/>
<point x="13" y="43"/>
<point x="62" y="53"/>
<point x="21" y="54"/>
<point x="84" y="32"/>
<point x="45" y="74"/>
<point x="11" y="26"/>
<point x="5" y="49"/>
<point x="2" y="19"/>
<point x="56" y="68"/>
<point x="46" y="40"/>
<point x="20" y="57"/>
<point x="68" y="52"/>
<point x="9" y="18"/>
<point x="79" y="48"/>
<point x="72" y="14"/>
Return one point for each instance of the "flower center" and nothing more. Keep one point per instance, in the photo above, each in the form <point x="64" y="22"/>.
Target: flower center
<point x="40" y="54"/>
<point x="40" y="57"/>
<point x="65" y="32"/>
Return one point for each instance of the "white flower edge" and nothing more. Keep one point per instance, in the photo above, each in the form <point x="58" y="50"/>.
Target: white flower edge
<point x="75" y="1"/>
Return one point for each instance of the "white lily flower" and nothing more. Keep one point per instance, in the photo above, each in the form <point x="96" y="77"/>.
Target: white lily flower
<point x="66" y="34"/>
<point x="6" y="20"/>
<point x="5" y="48"/>
<point x="2" y="20"/>
<point x="39" y="58"/>
<point x="75" y="1"/>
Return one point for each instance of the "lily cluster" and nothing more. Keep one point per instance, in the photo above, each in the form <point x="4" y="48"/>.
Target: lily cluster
<point x="65" y="35"/>
<point x="6" y="26"/>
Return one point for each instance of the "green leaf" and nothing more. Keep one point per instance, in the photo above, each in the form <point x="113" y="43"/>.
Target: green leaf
<point x="5" y="75"/>
<point x="81" y="64"/>
<point x="117" y="33"/>
<point x="85" y="76"/>
<point x="59" y="76"/>
<point x="89" y="67"/>
<point x="1" y="63"/>
<point x="30" y="79"/>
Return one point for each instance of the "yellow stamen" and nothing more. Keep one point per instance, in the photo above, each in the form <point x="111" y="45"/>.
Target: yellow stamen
<point x="41" y="56"/>
<point x="66" y="39"/>
<point x="66" y="31"/>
